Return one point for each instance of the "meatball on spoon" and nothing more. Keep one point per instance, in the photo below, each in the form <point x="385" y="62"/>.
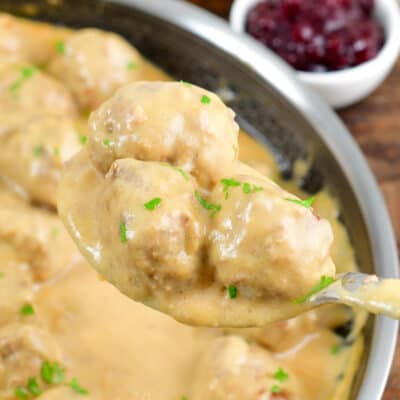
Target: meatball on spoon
<point x="160" y="205"/>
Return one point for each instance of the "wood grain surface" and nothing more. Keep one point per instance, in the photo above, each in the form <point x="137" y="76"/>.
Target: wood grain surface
<point x="375" y="124"/>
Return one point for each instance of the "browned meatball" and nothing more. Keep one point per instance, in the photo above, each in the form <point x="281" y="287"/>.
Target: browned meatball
<point x="17" y="43"/>
<point x="39" y="239"/>
<point x="186" y="126"/>
<point x="23" y="349"/>
<point x="235" y="370"/>
<point x="94" y="64"/>
<point x="33" y="156"/>
<point x="154" y="229"/>
<point x="264" y="243"/>
<point x="26" y="92"/>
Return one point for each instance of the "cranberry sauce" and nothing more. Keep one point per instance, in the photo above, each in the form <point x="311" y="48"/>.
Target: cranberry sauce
<point x="318" y="35"/>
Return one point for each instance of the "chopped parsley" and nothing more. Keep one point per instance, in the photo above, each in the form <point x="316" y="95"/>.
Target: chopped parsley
<point x="122" y="232"/>
<point x="26" y="73"/>
<point x="75" y="386"/>
<point x="27" y="309"/>
<point x="21" y="393"/>
<point x="248" y="188"/>
<point x="281" y="375"/>
<point x="336" y="349"/>
<point x="228" y="183"/>
<point x="187" y="84"/>
<point x="56" y="152"/>
<point x="60" y="47"/>
<point x="131" y="65"/>
<point x="33" y="387"/>
<point x="275" y="389"/>
<point x="324" y="283"/>
<point x="52" y="373"/>
<point x="38" y="150"/>
<point x="307" y="203"/>
<point x="152" y="204"/>
<point x="232" y="291"/>
<point x="184" y="398"/>
<point x="214" y="208"/>
<point x="182" y="172"/>
<point x="107" y="142"/>
<point x="1" y="274"/>
<point x="205" y="99"/>
<point x="83" y="139"/>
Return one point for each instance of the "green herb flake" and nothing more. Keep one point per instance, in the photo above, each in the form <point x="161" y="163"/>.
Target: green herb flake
<point x="232" y="291"/>
<point x="26" y="73"/>
<point x="33" y="387"/>
<point x="122" y="232"/>
<point x="76" y="387"/>
<point x="182" y="172"/>
<point x="38" y="150"/>
<point x="324" y="283"/>
<point x="214" y="208"/>
<point x="187" y="84"/>
<point x="184" y="398"/>
<point x="60" y="47"/>
<point x="281" y="375"/>
<point x="27" y="310"/>
<point x="107" y="142"/>
<point x="336" y="349"/>
<point x="307" y="203"/>
<point x="152" y="204"/>
<point x="56" y="152"/>
<point x="205" y="99"/>
<point x="82" y="139"/>
<point x="21" y="393"/>
<point x="275" y="389"/>
<point x="1" y="274"/>
<point x="246" y="188"/>
<point x="52" y="373"/>
<point x="132" y="65"/>
<point x="228" y="183"/>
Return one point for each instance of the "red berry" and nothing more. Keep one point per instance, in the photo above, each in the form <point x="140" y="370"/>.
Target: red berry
<point x="318" y="35"/>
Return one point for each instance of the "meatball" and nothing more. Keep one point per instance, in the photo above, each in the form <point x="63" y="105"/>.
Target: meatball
<point x="33" y="156"/>
<point x="23" y="349"/>
<point x="39" y="238"/>
<point x="26" y="92"/>
<point x="261" y="241"/>
<point x="16" y="42"/>
<point x="166" y="121"/>
<point x="150" y="225"/>
<point x="94" y="64"/>
<point x="235" y="370"/>
<point x="15" y="283"/>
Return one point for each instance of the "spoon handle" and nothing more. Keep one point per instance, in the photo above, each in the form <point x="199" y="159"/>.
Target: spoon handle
<point x="376" y="295"/>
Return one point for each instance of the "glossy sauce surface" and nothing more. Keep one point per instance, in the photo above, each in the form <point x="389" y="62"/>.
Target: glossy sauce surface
<point x="119" y="349"/>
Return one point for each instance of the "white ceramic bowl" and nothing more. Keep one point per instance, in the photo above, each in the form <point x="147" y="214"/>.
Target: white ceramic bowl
<point x="345" y="87"/>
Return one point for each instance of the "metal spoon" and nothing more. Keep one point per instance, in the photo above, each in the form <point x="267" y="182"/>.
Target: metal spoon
<point x="376" y="295"/>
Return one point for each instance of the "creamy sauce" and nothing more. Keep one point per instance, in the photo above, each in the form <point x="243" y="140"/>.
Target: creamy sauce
<point x="119" y="349"/>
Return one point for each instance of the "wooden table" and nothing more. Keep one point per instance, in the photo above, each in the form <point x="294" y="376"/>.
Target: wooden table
<point x="375" y="124"/>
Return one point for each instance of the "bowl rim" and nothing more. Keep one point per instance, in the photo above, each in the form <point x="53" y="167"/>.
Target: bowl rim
<point x="335" y="136"/>
<point x="389" y="9"/>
